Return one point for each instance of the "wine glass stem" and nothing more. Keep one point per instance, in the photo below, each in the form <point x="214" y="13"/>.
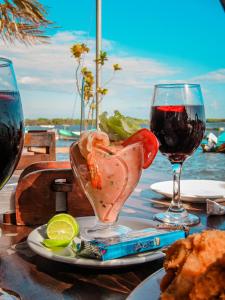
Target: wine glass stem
<point x="176" y="204"/>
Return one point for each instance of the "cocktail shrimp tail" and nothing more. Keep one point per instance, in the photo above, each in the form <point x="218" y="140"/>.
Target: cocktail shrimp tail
<point x="108" y="174"/>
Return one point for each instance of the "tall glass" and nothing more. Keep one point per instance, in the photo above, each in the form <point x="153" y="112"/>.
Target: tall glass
<point x="178" y="121"/>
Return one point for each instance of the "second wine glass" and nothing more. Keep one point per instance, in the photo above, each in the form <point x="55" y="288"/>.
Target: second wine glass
<point x="11" y="121"/>
<point x="11" y="126"/>
<point x="178" y="121"/>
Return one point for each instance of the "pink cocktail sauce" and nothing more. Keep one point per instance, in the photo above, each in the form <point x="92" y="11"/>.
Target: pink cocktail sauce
<point x="120" y="168"/>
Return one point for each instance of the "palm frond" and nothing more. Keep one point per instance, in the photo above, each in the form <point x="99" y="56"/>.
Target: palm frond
<point x="24" y="21"/>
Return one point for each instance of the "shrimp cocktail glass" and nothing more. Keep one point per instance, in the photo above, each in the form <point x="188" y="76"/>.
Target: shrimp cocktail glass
<point x="108" y="173"/>
<point x="178" y="121"/>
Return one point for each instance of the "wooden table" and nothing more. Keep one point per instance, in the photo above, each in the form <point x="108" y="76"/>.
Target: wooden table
<point x="36" y="278"/>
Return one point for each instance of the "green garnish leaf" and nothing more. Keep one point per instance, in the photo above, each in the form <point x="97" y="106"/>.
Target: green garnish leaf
<point x="118" y="127"/>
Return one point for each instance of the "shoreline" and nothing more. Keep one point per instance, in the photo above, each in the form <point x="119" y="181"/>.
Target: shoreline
<point x="69" y="122"/>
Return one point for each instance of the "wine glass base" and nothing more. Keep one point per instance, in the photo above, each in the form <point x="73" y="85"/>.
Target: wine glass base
<point x="177" y="218"/>
<point x="103" y="232"/>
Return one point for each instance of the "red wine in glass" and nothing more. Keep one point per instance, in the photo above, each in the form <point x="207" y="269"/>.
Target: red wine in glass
<point x="178" y="121"/>
<point x="11" y="133"/>
<point x="179" y="129"/>
<point x="11" y="121"/>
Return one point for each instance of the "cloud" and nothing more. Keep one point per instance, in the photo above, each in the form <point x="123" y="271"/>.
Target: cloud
<point x="46" y="77"/>
<point x="29" y="80"/>
<point x="51" y="67"/>
<point x="217" y="76"/>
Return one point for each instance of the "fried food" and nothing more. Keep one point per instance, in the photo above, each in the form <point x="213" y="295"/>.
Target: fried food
<point x="187" y="260"/>
<point x="211" y="284"/>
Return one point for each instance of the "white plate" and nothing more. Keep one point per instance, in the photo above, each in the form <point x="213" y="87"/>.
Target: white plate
<point x="149" y="288"/>
<point x="37" y="235"/>
<point x="193" y="190"/>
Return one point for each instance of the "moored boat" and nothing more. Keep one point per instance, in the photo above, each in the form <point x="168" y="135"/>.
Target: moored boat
<point x="65" y="134"/>
<point x="48" y="126"/>
<point x="214" y="144"/>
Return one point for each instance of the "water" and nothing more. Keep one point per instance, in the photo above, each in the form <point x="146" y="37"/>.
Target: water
<point x="199" y="166"/>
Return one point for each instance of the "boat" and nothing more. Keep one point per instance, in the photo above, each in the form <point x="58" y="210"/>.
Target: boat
<point x="221" y="138"/>
<point x="48" y="126"/>
<point x="64" y="134"/>
<point x="76" y="132"/>
<point x="214" y="144"/>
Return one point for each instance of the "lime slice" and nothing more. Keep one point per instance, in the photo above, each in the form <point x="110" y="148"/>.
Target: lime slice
<point x="62" y="216"/>
<point x="67" y="218"/>
<point x="61" y="230"/>
<point x="55" y="243"/>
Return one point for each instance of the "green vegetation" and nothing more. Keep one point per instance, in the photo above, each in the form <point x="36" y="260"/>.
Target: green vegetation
<point x="67" y="121"/>
<point x="215" y="120"/>
<point x="55" y="121"/>
<point x="61" y="121"/>
<point x="85" y="83"/>
<point x="118" y="126"/>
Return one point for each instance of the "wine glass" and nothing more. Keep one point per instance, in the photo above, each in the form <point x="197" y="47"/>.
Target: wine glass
<point x="11" y="122"/>
<point x="178" y="121"/>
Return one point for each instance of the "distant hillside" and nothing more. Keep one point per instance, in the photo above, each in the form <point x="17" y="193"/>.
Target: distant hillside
<point x="215" y="120"/>
<point x="56" y="121"/>
<point x="66" y="121"/>
<point x="62" y="121"/>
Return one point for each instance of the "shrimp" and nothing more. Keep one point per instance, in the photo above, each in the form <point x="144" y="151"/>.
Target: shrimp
<point x="88" y="142"/>
<point x="92" y="139"/>
<point x="96" y="176"/>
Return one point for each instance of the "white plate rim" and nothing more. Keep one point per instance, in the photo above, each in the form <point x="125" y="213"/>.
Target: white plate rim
<point x="36" y="246"/>
<point x="147" y="281"/>
<point x="188" y="197"/>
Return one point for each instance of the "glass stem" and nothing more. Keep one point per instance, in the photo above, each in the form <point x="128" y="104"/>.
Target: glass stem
<point x="176" y="204"/>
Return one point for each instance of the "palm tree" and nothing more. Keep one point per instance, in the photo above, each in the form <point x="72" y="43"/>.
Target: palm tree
<point x="23" y="20"/>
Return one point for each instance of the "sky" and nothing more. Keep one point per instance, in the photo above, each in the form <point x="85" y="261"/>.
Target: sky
<point x="154" y="41"/>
